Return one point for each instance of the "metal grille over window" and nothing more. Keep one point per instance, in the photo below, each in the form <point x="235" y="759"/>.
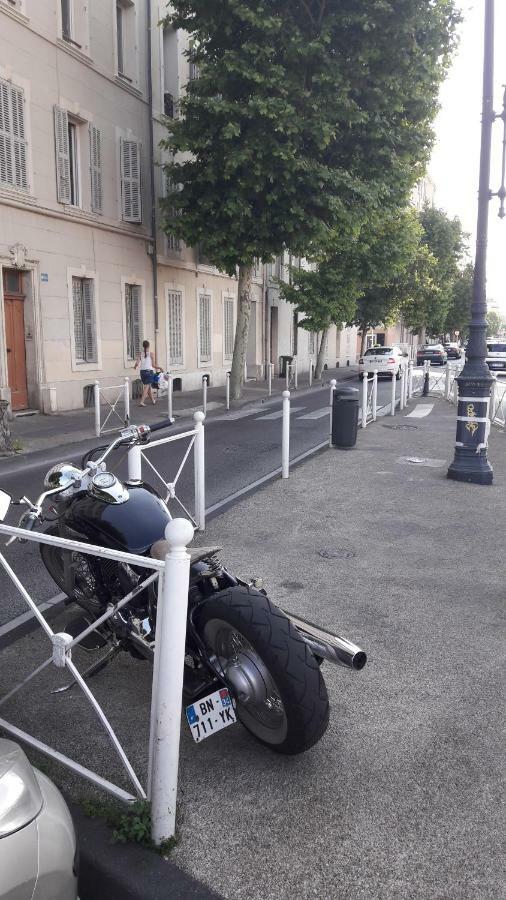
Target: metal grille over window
<point x="175" y="313"/>
<point x="205" y="327"/>
<point x="228" y="327"/>
<point x="13" y="169"/>
<point x="84" y="320"/>
<point x="96" y="168"/>
<point x="63" y="178"/>
<point x="130" y="153"/>
<point x="173" y="243"/>
<point x="133" y="319"/>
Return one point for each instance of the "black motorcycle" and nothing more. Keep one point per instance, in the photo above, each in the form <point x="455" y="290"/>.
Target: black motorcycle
<point x="262" y="661"/>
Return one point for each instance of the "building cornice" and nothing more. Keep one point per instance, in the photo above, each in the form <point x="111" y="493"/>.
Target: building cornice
<point x="79" y="217"/>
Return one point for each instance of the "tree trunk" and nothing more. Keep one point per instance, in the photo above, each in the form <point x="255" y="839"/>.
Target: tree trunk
<point x="241" y="331"/>
<point x="321" y="353"/>
<point x="5" y="432"/>
<point x="363" y="338"/>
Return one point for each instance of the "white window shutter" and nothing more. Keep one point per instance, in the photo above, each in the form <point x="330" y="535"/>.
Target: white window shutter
<point x="6" y="156"/>
<point x="205" y="327"/>
<point x="61" y="131"/>
<point x="131" y="199"/>
<point x="90" y="338"/>
<point x="175" y="312"/>
<point x="228" y="327"/>
<point x="77" y="297"/>
<point x="96" y="168"/>
<point x="13" y="168"/>
<point x="133" y="319"/>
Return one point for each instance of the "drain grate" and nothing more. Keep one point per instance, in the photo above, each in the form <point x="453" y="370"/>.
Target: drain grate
<point x="337" y="553"/>
<point x="401" y="427"/>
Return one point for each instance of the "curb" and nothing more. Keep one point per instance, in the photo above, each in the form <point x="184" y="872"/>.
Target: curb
<point x="109" y="871"/>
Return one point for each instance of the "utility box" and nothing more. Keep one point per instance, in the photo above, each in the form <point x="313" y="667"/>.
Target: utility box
<point x="345" y="417"/>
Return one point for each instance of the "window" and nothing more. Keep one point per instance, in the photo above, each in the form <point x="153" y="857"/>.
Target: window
<point x="66" y="20"/>
<point x="120" y="38"/>
<point x="125" y="39"/>
<point x="133" y="319"/>
<point x="131" y="199"/>
<point x="67" y="157"/>
<point x="13" y="146"/>
<point x="204" y="327"/>
<point x="85" y="338"/>
<point x="228" y="327"/>
<point x="96" y="168"/>
<point x="173" y="244"/>
<point x="175" y="327"/>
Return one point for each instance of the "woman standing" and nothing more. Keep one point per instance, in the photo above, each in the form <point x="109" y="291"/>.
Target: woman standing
<point x="147" y="363"/>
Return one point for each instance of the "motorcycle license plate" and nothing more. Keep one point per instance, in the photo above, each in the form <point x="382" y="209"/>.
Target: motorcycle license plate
<point x="211" y="714"/>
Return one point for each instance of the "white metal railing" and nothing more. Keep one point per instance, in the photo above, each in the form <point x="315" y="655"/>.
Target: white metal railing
<point x="369" y="398"/>
<point x="292" y="374"/>
<point x="498" y="403"/>
<point x="118" y="406"/>
<point x="196" y="440"/>
<point x="167" y="684"/>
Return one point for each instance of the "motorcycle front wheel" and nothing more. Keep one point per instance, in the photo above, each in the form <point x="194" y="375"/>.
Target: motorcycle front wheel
<point x="274" y="677"/>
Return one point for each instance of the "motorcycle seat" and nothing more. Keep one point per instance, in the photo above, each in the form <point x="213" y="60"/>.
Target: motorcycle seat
<point x="160" y="549"/>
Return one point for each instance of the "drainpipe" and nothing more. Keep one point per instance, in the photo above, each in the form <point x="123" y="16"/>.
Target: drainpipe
<point x="154" y="249"/>
<point x="267" y="320"/>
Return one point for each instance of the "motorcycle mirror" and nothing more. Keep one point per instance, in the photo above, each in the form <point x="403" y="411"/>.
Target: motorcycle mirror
<point x="5" y="502"/>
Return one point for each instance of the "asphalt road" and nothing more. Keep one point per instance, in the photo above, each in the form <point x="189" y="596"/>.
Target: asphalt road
<point x="241" y="446"/>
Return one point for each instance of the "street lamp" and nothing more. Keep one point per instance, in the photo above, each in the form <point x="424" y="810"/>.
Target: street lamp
<point x="470" y="462"/>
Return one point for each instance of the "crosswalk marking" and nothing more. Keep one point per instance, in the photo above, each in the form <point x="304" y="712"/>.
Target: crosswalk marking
<point x="316" y="414"/>
<point x="279" y="413"/>
<point x="243" y="413"/>
<point x="420" y="411"/>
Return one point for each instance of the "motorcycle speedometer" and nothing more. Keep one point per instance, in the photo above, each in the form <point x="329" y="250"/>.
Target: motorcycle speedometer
<point x="104" y="480"/>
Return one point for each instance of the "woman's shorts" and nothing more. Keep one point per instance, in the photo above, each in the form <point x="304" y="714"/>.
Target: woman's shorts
<point x="147" y="376"/>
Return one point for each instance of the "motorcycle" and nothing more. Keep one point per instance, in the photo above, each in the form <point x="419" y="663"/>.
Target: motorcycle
<point x="245" y="657"/>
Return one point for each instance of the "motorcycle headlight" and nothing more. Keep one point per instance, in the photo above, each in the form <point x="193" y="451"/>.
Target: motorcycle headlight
<point x="61" y="476"/>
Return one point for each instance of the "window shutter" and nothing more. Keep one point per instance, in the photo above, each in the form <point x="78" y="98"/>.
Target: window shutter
<point x="173" y="243"/>
<point x="6" y="160"/>
<point x="96" y="168"/>
<point x="13" y="169"/>
<point x="90" y="341"/>
<point x="61" y="131"/>
<point x="131" y="201"/>
<point x="77" y="297"/>
<point x="205" y="327"/>
<point x="133" y="319"/>
<point x="175" y="312"/>
<point x="228" y="327"/>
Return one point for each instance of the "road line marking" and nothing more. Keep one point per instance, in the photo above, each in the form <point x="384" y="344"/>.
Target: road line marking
<point x="317" y="414"/>
<point x="420" y="411"/>
<point x="279" y="413"/>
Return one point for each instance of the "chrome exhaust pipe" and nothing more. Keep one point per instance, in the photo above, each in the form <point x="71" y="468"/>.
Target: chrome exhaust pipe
<point x="335" y="649"/>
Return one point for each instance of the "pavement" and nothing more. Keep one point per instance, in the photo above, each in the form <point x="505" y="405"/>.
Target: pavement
<point x="36" y="432"/>
<point x="402" y="798"/>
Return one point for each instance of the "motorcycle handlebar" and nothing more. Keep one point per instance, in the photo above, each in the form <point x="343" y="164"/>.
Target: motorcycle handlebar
<point x="164" y="424"/>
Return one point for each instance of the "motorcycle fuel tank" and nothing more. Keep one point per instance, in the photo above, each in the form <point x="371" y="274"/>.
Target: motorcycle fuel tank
<point x="133" y="526"/>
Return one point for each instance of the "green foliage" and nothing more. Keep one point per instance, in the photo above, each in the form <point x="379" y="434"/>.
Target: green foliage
<point x="495" y="323"/>
<point x="459" y="313"/>
<point x="132" y="826"/>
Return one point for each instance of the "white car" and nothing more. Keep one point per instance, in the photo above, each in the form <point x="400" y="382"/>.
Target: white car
<point x="385" y="359"/>
<point x="38" y="850"/>
<point x="496" y="355"/>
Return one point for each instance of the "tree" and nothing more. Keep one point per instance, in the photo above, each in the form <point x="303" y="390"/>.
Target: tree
<point x="305" y="115"/>
<point x="495" y="323"/>
<point x="459" y="313"/>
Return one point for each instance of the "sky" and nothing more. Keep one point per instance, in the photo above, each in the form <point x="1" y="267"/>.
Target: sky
<point x="455" y="160"/>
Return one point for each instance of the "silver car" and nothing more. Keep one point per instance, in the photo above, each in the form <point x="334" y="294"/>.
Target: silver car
<point x="38" y="851"/>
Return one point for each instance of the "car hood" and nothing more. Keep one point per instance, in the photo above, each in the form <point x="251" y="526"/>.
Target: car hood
<point x="20" y="795"/>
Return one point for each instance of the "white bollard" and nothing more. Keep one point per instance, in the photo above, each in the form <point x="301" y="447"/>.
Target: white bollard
<point x="392" y="398"/>
<point x="204" y="394"/>
<point x="168" y="673"/>
<point x="410" y="379"/>
<point x="135" y="465"/>
<point x="287" y="374"/>
<point x="170" y="387"/>
<point x="310" y="373"/>
<point x="285" y="439"/>
<point x="365" y="385"/>
<point x="199" y="470"/>
<point x="126" y="399"/>
<point x="401" y="391"/>
<point x="96" y="396"/>
<point x="375" y="395"/>
<point x="447" y="381"/>
<point x="227" y="391"/>
<point x="333" y="384"/>
<point x="270" y="370"/>
<point x="295" y="376"/>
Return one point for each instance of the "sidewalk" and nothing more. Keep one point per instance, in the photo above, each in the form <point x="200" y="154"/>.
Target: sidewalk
<point x="401" y="798"/>
<point x="39" y="432"/>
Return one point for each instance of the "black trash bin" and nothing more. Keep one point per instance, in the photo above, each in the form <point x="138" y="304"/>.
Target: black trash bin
<point x="284" y="361"/>
<point x="345" y="417"/>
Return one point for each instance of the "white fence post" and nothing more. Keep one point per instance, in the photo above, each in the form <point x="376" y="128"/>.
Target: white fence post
<point x="96" y="396"/>
<point x="287" y="375"/>
<point x="245" y="372"/>
<point x="374" y="395"/>
<point x="295" y="375"/>
<point x="270" y="367"/>
<point x="447" y="380"/>
<point x="126" y="397"/>
<point x="204" y="394"/>
<point x="410" y="379"/>
<point x="169" y="670"/>
<point x="392" y="411"/>
<point x="401" y="391"/>
<point x="169" y="394"/>
<point x="200" y="470"/>
<point x="135" y="465"/>
<point x="491" y="408"/>
<point x="365" y="386"/>
<point x="310" y="372"/>
<point x="227" y="390"/>
<point x="285" y="440"/>
<point x="333" y="384"/>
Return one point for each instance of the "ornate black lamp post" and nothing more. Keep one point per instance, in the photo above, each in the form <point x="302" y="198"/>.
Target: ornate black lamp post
<point x="471" y="462"/>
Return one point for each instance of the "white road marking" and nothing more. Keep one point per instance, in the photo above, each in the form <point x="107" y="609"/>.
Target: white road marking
<point x="317" y="414"/>
<point x="243" y="413"/>
<point x="279" y="413"/>
<point x="420" y="411"/>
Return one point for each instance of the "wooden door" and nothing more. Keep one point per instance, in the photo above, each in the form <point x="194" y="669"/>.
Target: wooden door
<point x="15" y="338"/>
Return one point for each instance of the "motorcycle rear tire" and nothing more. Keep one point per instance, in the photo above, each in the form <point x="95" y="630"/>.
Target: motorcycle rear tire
<point x="270" y="643"/>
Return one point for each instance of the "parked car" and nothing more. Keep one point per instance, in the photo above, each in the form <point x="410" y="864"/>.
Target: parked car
<point x="385" y="359"/>
<point x="453" y="351"/>
<point x="435" y="353"/>
<point x="496" y="355"/>
<point x="38" y="851"/>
